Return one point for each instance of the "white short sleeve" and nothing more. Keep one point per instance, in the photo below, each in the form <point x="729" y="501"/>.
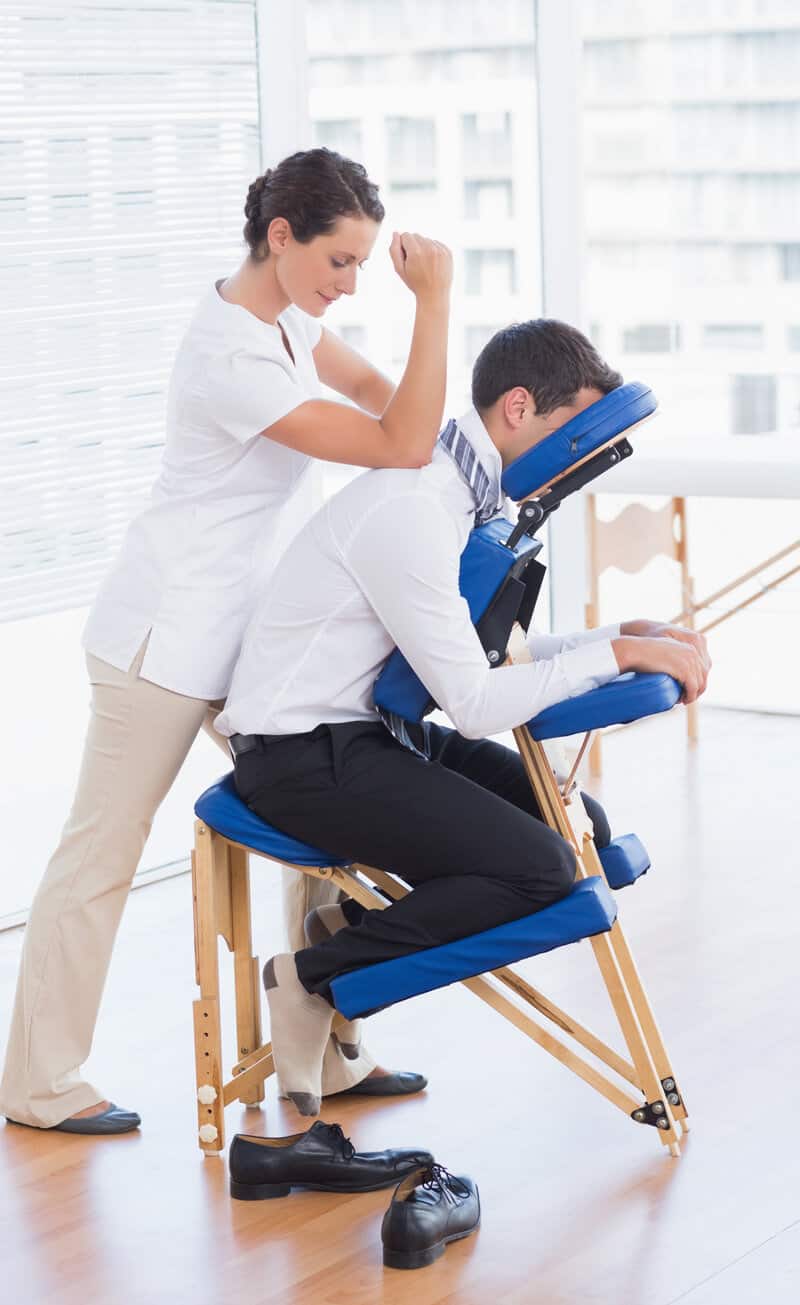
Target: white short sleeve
<point x="312" y="328"/>
<point x="247" y="393"/>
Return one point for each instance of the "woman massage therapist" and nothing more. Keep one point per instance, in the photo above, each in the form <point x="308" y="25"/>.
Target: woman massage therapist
<point x="244" y="421"/>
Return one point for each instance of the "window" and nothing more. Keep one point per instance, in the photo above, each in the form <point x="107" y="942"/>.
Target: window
<point x="413" y="203"/>
<point x="754" y="404"/>
<point x="488" y="200"/>
<point x="487" y="142"/>
<point x="128" y="139"/>
<point x="411" y="147"/>
<point x="790" y="262"/>
<point x="418" y="76"/>
<point x="654" y="337"/>
<point x="490" y="272"/>
<point x="340" y="134"/>
<point x="475" y="337"/>
<point x="732" y="335"/>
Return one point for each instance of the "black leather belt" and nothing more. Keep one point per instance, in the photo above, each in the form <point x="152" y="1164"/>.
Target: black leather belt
<point x="241" y="743"/>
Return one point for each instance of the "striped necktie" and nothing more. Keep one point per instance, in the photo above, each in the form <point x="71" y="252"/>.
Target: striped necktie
<point x="485" y="490"/>
<point x="486" y="493"/>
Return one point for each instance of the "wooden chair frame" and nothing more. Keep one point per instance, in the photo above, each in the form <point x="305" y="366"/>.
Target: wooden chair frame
<point x="648" y="1092"/>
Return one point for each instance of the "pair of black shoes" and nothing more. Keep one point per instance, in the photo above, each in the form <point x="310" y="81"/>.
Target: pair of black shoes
<point x="429" y="1208"/>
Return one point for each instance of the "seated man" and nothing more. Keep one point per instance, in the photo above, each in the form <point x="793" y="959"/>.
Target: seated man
<point x="448" y="811"/>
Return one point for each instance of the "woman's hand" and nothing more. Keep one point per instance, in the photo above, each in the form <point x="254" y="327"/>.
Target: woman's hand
<point x="675" y="657"/>
<point x="425" y="266"/>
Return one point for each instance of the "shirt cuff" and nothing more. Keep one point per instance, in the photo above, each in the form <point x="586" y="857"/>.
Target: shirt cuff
<point x="588" y="666"/>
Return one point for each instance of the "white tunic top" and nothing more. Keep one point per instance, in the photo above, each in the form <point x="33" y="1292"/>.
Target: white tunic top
<point x="378" y="568"/>
<point x="189" y="565"/>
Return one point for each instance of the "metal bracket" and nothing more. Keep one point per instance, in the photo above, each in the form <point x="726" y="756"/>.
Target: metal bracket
<point x="652" y="1112"/>
<point x="671" y="1088"/>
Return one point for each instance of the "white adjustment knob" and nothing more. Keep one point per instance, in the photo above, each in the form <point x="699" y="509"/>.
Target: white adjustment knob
<point x="206" y="1095"/>
<point x="208" y="1133"/>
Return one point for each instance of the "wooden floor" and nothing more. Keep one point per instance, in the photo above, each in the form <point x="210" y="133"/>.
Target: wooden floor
<point x="580" y="1204"/>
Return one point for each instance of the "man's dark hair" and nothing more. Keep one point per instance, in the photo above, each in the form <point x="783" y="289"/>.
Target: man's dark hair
<point x="311" y="189"/>
<point x="549" y="359"/>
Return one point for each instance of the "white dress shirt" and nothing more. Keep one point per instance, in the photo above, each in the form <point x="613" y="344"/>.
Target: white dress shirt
<point x="191" y="564"/>
<point x="377" y="568"/>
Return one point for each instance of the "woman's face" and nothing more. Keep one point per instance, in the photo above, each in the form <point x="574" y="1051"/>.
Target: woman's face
<point x="314" y="275"/>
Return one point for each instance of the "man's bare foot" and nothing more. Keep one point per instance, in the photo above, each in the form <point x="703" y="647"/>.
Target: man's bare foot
<point x="91" y="1110"/>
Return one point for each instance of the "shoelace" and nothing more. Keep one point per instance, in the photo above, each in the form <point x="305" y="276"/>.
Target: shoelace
<point x="439" y="1179"/>
<point x="337" y="1133"/>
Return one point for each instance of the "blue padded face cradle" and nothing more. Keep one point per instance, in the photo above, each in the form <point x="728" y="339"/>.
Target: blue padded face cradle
<point x="624" y="859"/>
<point x="588" y="909"/>
<point x="485" y="563"/>
<point x="627" y="698"/>
<point x="612" y="415"/>
<point x="224" y="811"/>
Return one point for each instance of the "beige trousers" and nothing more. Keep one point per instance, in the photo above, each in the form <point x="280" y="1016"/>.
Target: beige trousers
<point x="139" y="735"/>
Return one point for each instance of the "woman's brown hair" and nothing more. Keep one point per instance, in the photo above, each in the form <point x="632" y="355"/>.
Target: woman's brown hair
<point x="310" y="189"/>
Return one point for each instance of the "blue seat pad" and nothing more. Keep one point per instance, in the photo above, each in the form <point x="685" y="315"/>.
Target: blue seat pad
<point x="625" y="699"/>
<point x="588" y="909"/>
<point x="224" y="811"/>
<point x="624" y="860"/>
<point x="589" y="430"/>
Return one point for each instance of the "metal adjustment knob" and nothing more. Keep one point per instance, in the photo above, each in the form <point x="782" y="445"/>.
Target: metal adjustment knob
<point x="668" y="1085"/>
<point x="673" y="1099"/>
<point x="658" y="1108"/>
<point x="639" y="1116"/>
<point x="493" y="656"/>
<point x="662" y="1123"/>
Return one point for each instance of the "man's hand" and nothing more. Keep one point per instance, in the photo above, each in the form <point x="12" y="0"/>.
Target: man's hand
<point x="660" y="630"/>
<point x="679" y="658"/>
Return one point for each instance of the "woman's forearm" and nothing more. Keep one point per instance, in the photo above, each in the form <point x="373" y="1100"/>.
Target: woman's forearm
<point x="413" y="416"/>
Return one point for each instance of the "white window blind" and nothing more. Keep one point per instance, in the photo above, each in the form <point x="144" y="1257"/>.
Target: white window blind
<point x="128" y="137"/>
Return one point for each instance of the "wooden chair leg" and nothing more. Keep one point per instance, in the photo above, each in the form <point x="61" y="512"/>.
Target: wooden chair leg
<point x="641" y="1005"/>
<point x="246" y="969"/>
<point x="207" y="1030"/>
<point x="655" y="1108"/>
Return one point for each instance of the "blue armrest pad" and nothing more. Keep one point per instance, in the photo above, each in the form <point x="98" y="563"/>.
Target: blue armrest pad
<point x="595" y="426"/>
<point x="224" y="811"/>
<point x="588" y="909"/>
<point x="624" y="860"/>
<point x="629" y="697"/>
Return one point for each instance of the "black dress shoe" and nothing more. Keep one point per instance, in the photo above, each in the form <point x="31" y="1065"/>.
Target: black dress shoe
<point x="400" y="1084"/>
<point x="322" y="1159"/>
<point x="429" y="1209"/>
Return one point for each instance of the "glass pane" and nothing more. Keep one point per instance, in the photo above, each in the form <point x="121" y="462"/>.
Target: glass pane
<point x="122" y="198"/>
<point x="438" y="101"/>
<point x="691" y="160"/>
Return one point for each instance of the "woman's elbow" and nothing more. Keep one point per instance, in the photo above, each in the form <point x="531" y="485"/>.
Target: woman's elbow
<point x="414" y="458"/>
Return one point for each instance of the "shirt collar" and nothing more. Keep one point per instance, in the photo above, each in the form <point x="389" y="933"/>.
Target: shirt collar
<point x="471" y="423"/>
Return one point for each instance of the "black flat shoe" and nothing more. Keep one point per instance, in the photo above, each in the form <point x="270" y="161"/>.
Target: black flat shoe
<point x="429" y="1209"/>
<point x="400" y="1084"/>
<point x="113" y="1120"/>
<point x="322" y="1159"/>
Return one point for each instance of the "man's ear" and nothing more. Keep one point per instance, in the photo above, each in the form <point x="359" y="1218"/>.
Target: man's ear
<point x="514" y="404"/>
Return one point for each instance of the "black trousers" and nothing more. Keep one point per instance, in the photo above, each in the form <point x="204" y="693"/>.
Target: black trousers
<point x="463" y="830"/>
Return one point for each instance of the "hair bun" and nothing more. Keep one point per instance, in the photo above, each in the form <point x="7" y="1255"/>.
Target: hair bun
<point x="252" y="204"/>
